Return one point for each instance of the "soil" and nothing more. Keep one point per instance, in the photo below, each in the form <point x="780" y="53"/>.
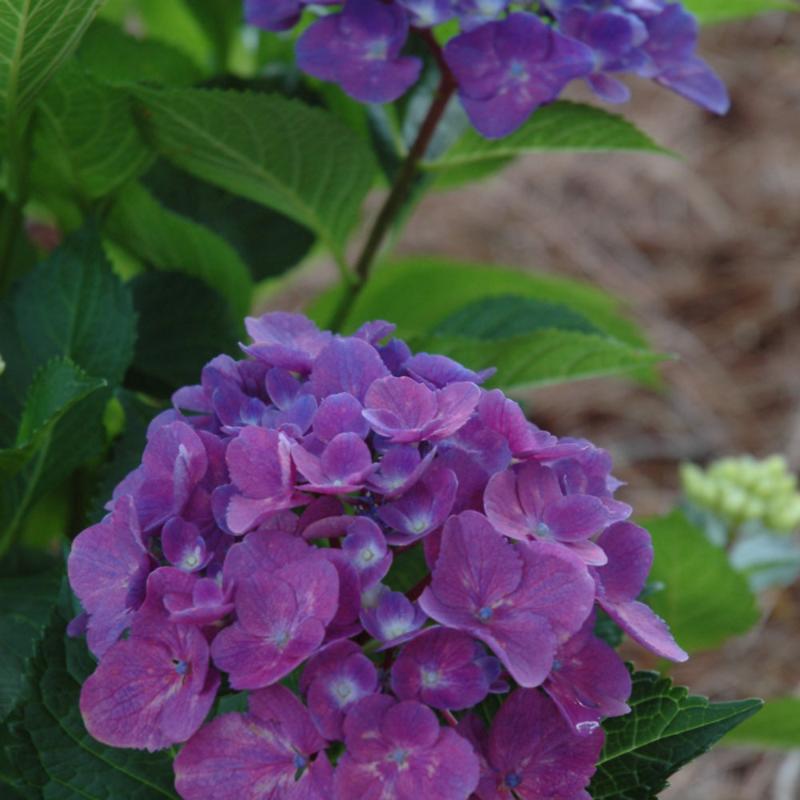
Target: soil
<point x="705" y="252"/>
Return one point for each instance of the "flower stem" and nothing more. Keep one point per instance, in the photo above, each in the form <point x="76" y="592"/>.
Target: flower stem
<point x="397" y="196"/>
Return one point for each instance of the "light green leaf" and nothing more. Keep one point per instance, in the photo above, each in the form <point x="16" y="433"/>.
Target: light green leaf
<point x="56" y="388"/>
<point x="704" y="599"/>
<point x="299" y="160"/>
<point x="542" y="357"/>
<point x="667" y="728"/>
<point x="418" y="294"/>
<point x="560" y="126"/>
<point x="113" y="56"/>
<point x="169" y="241"/>
<point x="36" y="36"/>
<point x="721" y="10"/>
<point x="777" y="726"/>
<point x="86" y="141"/>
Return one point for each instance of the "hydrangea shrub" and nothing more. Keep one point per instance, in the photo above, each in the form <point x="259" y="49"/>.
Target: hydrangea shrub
<point x="262" y="547"/>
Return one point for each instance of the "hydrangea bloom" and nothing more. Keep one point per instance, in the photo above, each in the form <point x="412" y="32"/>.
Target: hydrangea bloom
<point x="370" y="544"/>
<point x="504" y="62"/>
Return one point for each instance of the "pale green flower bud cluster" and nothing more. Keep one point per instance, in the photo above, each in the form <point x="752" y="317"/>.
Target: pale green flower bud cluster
<point x="745" y="489"/>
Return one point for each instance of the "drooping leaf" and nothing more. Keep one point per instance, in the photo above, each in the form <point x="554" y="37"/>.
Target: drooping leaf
<point x="704" y="599"/>
<point x="777" y="726"/>
<point x="56" y="388"/>
<point x="543" y="357"/>
<point x="268" y="242"/>
<point x="419" y="293"/>
<point x="720" y="10"/>
<point x="667" y="728"/>
<point x="169" y="241"/>
<point x="26" y="604"/>
<point x="560" y="126"/>
<point x="113" y="56"/>
<point x="36" y="37"/>
<point x="86" y="142"/>
<point x="183" y="324"/>
<point x="298" y="160"/>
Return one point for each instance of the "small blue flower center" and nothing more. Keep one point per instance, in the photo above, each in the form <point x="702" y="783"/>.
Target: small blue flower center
<point x="485" y="614"/>
<point x="378" y="50"/>
<point x="282" y="639"/>
<point x="181" y="667"/>
<point x="543" y="531"/>
<point x="517" y="71"/>
<point x="399" y="756"/>
<point x="513" y="780"/>
<point x="430" y="678"/>
<point x="557" y="665"/>
<point x="300" y="762"/>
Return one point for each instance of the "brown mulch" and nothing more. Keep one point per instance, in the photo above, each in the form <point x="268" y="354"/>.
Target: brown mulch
<point x="705" y="252"/>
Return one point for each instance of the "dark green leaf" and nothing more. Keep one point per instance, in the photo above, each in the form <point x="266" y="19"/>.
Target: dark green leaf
<point x="704" y="599"/>
<point x="168" y="241"/>
<point x="408" y="569"/>
<point x="298" y="160"/>
<point x="182" y="325"/>
<point x="76" y="765"/>
<point x="267" y="241"/>
<point x="126" y="453"/>
<point x="777" y="726"/>
<point x="665" y="730"/>
<point x="560" y="126"/>
<point x="26" y="604"/>
<point x="511" y="315"/>
<point x="56" y="388"/>
<point x="219" y="19"/>
<point x="36" y="36"/>
<point x="111" y="55"/>
<point x="71" y="306"/>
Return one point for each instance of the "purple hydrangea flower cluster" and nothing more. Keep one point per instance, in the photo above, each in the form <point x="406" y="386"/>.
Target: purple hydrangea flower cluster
<point x="264" y="546"/>
<point x="504" y="62"/>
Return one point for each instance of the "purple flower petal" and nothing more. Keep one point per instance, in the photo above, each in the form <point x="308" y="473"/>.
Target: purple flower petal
<point x="393" y="619"/>
<point x="437" y="371"/>
<point x="339" y="413"/>
<point x="366" y="549"/>
<point x="108" y="567"/>
<point x="290" y="341"/>
<point x="343" y="466"/>
<point x="346" y="365"/>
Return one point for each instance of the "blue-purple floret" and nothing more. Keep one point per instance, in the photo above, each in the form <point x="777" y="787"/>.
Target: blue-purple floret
<point x="505" y="62"/>
<point x="377" y="530"/>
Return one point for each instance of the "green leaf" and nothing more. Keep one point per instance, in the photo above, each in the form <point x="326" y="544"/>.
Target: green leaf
<point x="269" y="242"/>
<point x="298" y="160"/>
<point x="115" y="57"/>
<point x="560" y="126"/>
<point x="541" y="358"/>
<point x="70" y="306"/>
<point x="126" y="452"/>
<point x="408" y="569"/>
<point x="511" y="315"/>
<point x="777" y="726"/>
<point x="26" y="604"/>
<point x="36" y="36"/>
<point x="56" y="388"/>
<point x="419" y="294"/>
<point x="219" y="19"/>
<point x="183" y="324"/>
<point x="86" y="141"/>
<point x="169" y="241"/>
<point x="74" y="764"/>
<point x="721" y="10"/>
<point x="667" y="728"/>
<point x="704" y="599"/>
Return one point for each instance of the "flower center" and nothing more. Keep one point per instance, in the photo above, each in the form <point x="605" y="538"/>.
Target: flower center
<point x="399" y="756"/>
<point x="430" y="678"/>
<point x="343" y="691"/>
<point x="517" y="71"/>
<point x="485" y="614"/>
<point x="181" y="667"/>
<point x="513" y="780"/>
